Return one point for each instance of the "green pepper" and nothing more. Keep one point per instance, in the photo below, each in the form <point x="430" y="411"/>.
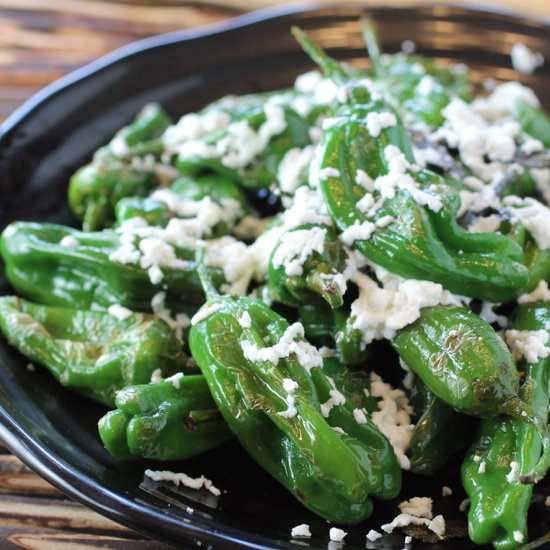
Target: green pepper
<point x="464" y="362"/>
<point x="306" y="266"/>
<point x="416" y="86"/>
<point x="159" y="208"/>
<point x="269" y="388"/>
<point x="390" y="224"/>
<point x="438" y="433"/>
<point x="95" y="188"/>
<point x="56" y="265"/>
<point x="92" y="352"/>
<point x="170" y="420"/>
<point x="504" y="450"/>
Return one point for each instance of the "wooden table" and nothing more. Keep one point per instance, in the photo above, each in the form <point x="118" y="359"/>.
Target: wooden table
<point x="39" y="42"/>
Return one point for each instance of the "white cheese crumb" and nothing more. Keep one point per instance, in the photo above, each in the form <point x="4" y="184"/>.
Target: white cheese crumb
<point x="540" y="293"/>
<point x="530" y="344"/>
<point x="488" y="315"/>
<point x="358" y="231"/>
<point x="177" y="324"/>
<point x="463" y="506"/>
<point x="408" y="539"/>
<point x="301" y="530"/>
<point x="359" y="416"/>
<point x="205" y="312"/>
<point x="518" y="536"/>
<point x="307" y="355"/>
<point x="339" y="430"/>
<point x="408" y="380"/>
<point x="289" y="385"/>
<point x="524" y="60"/>
<point x="373" y="535"/>
<point x="408" y="46"/>
<point x="155" y="274"/>
<point x="511" y="476"/>
<point x="477" y="459"/>
<point x="376" y="122"/>
<point x="420" y="507"/>
<point x="364" y="180"/>
<point x="156" y="376"/>
<point x="120" y="312"/>
<point x="534" y="215"/>
<point x="184" y="479"/>
<point x="446" y="491"/>
<point x="486" y="224"/>
<point x="245" y="320"/>
<point x="291" y="168"/>
<point x="328" y="172"/>
<point x="547" y="502"/>
<point x="336" y="398"/>
<point x="175" y="379"/>
<point x="69" y="241"/>
<point x="30" y="367"/>
<point x="336" y="535"/>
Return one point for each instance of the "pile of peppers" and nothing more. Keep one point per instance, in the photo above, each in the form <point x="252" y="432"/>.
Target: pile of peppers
<point x="216" y="281"/>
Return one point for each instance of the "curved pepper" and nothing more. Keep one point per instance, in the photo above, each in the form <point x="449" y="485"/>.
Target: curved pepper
<point x="95" y="188"/>
<point x="306" y="266"/>
<point x="170" y="420"/>
<point x="91" y="352"/>
<point x="330" y="472"/>
<point x="402" y="234"/>
<point x="84" y="272"/>
<point x="498" y="500"/>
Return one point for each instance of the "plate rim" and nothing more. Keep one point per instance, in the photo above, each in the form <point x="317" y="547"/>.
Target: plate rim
<point x="52" y="467"/>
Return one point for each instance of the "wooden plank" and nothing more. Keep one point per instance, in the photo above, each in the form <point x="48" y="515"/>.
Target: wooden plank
<point x="20" y="511"/>
<point x="18" y="479"/>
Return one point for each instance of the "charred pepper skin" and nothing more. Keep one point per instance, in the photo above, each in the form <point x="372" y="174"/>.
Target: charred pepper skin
<point x="499" y="504"/>
<point x="95" y="188"/>
<point x="45" y="271"/>
<point x="173" y="419"/>
<point x="332" y="474"/>
<point x="91" y="352"/>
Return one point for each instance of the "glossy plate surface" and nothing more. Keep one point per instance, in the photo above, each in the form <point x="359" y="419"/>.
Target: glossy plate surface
<point x="46" y="140"/>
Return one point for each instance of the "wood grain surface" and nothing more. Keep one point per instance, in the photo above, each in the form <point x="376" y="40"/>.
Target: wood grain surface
<point x="39" y="42"/>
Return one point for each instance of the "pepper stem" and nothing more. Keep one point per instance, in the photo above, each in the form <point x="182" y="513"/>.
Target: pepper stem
<point x="517" y="408"/>
<point x="331" y="67"/>
<point x="321" y="282"/>
<point x="370" y="36"/>
<point x="206" y="280"/>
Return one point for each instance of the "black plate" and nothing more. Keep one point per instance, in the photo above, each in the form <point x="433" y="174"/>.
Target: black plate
<point x="54" y="133"/>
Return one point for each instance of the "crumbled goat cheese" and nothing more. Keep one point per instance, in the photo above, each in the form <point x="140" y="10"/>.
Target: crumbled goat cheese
<point x="69" y="241"/>
<point x="477" y="459"/>
<point x="376" y="122"/>
<point x="437" y="524"/>
<point x="119" y="146"/>
<point x="530" y="146"/>
<point x="530" y="344"/>
<point x="380" y="312"/>
<point x="408" y="46"/>
<point x="359" y="416"/>
<point x="408" y="539"/>
<point x="205" y="312"/>
<point x="421" y="507"/>
<point x="335" y="399"/>
<point x="408" y="380"/>
<point x="295" y="247"/>
<point x="120" y="312"/>
<point x="328" y="172"/>
<point x="292" y="168"/>
<point x="446" y="491"/>
<point x="336" y="535"/>
<point x="512" y="475"/>
<point x="518" y="536"/>
<point x="307" y="355"/>
<point x="534" y="215"/>
<point x="357" y="232"/>
<point x="289" y="386"/>
<point x="540" y="293"/>
<point x="364" y="180"/>
<point x="184" y="479"/>
<point x="156" y="376"/>
<point x="245" y="320"/>
<point x="541" y="176"/>
<point x="177" y="324"/>
<point x="524" y="60"/>
<point x="463" y="506"/>
<point x="175" y="379"/>
<point x="547" y="502"/>
<point x="486" y="224"/>
<point x="30" y="367"/>
<point x="301" y="530"/>
<point x="393" y="418"/>
<point x="373" y="535"/>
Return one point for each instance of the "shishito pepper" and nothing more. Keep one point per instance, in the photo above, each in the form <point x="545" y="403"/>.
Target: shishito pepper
<point x="95" y="188"/>
<point x="57" y="265"/>
<point x="409" y="225"/>
<point x="504" y="450"/>
<point x="92" y="352"/>
<point x="184" y="192"/>
<point x="306" y="266"/>
<point x="171" y="420"/>
<point x="266" y="381"/>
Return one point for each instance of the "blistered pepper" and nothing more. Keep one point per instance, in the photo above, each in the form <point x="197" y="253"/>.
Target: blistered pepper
<point x="91" y="352"/>
<point x="506" y="449"/>
<point x="95" y="188"/>
<point x="173" y="419"/>
<point x="266" y="381"/>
